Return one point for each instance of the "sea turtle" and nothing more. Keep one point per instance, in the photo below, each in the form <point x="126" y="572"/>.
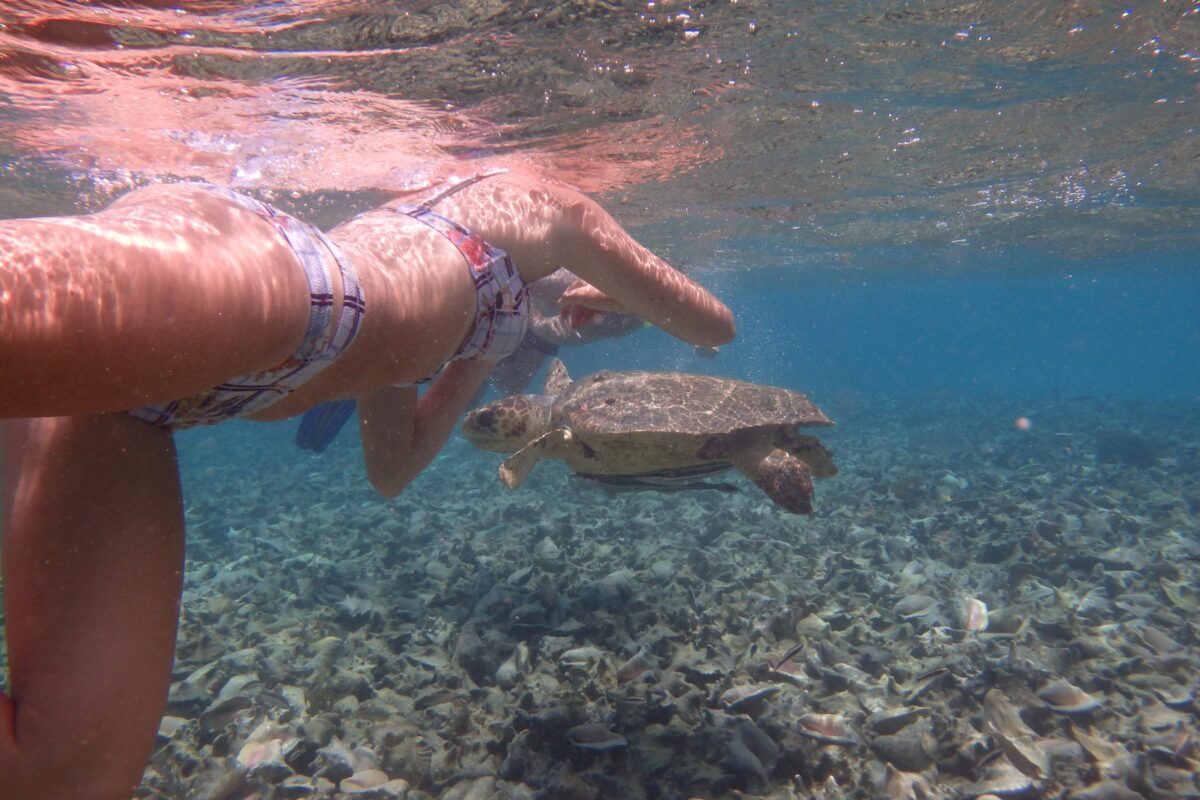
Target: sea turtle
<point x="649" y="428"/>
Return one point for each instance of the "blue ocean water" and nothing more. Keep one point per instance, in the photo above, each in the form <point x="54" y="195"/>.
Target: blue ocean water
<point x="1056" y="329"/>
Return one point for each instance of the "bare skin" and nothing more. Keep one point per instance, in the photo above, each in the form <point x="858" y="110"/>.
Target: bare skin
<point x="172" y="290"/>
<point x="93" y="567"/>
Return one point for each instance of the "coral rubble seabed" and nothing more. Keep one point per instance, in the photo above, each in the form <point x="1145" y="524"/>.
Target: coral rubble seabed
<point x="973" y="610"/>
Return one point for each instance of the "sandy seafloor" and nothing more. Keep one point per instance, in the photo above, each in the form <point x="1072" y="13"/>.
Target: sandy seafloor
<point x="452" y="642"/>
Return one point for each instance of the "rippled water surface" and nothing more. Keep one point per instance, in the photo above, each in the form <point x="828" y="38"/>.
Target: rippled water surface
<point x="733" y="134"/>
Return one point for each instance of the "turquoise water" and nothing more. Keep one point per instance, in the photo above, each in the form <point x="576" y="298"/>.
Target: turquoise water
<point x="1112" y="329"/>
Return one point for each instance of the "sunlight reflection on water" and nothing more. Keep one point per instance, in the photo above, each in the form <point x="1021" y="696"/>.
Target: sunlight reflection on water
<point x="826" y="130"/>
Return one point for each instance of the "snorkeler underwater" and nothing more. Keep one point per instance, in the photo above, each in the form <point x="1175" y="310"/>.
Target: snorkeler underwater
<point x="296" y="297"/>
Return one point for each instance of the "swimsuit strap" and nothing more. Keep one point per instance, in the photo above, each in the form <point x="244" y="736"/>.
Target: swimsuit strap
<point x="460" y="185"/>
<point x="323" y="338"/>
<point x="502" y="297"/>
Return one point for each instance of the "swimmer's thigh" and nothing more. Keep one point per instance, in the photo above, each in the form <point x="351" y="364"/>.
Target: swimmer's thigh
<point x="92" y="568"/>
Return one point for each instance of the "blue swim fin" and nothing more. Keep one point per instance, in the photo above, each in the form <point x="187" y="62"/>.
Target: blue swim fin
<point x="320" y="425"/>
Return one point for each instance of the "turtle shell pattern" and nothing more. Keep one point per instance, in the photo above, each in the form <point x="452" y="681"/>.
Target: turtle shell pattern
<point x="616" y="403"/>
<point x="631" y="422"/>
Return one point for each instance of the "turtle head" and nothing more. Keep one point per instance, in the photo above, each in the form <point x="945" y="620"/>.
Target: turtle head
<point x="505" y="426"/>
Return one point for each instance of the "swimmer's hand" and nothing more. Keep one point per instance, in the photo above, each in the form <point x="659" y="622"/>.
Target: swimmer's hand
<point x="575" y="317"/>
<point x="583" y="294"/>
<point x="583" y="303"/>
<point x="556" y="330"/>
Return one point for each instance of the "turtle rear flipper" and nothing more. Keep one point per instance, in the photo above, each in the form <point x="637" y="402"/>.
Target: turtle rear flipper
<point x="554" y="444"/>
<point x="786" y="479"/>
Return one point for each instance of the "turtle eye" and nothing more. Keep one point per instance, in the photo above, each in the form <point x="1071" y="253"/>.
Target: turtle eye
<point x="486" y="419"/>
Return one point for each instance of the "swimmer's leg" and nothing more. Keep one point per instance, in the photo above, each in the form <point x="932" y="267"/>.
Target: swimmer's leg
<point x="92" y="560"/>
<point x="167" y="292"/>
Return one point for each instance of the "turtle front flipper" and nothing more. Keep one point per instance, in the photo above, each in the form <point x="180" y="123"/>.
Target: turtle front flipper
<point x="517" y="467"/>
<point x="786" y="479"/>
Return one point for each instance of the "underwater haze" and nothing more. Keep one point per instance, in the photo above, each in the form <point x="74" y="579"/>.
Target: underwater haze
<point x="968" y="231"/>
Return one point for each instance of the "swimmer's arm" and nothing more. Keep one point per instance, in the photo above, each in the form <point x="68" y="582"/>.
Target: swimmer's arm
<point x="545" y="226"/>
<point x="401" y="433"/>
<point x="631" y="278"/>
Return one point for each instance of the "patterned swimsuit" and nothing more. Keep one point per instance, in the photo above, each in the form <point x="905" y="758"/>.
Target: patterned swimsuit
<point x="501" y="314"/>
<point x="325" y="339"/>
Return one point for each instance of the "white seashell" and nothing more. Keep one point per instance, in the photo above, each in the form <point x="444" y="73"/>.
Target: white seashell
<point x="374" y="782"/>
<point x="1105" y="790"/>
<point x="891" y="720"/>
<point x="1006" y="621"/>
<point x="1102" y="751"/>
<point x="327" y="652"/>
<point x="595" y="737"/>
<point x="926" y="681"/>
<point x="953" y="482"/>
<point x="580" y="658"/>
<point x="1032" y="592"/>
<point x="264" y="759"/>
<point x="356" y="606"/>
<point x="1158" y="717"/>
<point x="168" y="726"/>
<point x="1179" y="698"/>
<point x="789" y="671"/>
<point x="905" y="785"/>
<point x="1027" y="755"/>
<point x="357" y="760"/>
<point x="516" y="665"/>
<point x="1003" y="717"/>
<point x="637" y="668"/>
<point x="975" y="615"/>
<point x="1158" y="641"/>
<point x="1181" y="594"/>
<point x="914" y="605"/>
<point x="812" y="625"/>
<point x="1095" y="604"/>
<point x="1066" y="698"/>
<point x="238" y="685"/>
<point x="294" y="695"/>
<point x="1002" y="779"/>
<point x="828" y="728"/>
<point x="745" y="697"/>
<point x="256" y="753"/>
<point x="663" y="570"/>
<point x="547" y="552"/>
<point x="507" y="674"/>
